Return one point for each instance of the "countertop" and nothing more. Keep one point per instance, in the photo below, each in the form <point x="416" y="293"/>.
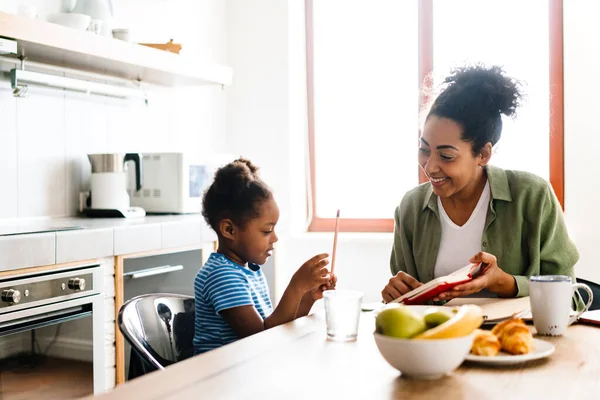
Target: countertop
<point x="16" y="227"/>
<point x="28" y="243"/>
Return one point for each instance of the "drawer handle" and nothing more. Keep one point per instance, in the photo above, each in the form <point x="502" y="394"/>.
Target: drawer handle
<point x="165" y="269"/>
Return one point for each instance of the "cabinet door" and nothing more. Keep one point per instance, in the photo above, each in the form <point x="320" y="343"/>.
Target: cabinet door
<point x="165" y="273"/>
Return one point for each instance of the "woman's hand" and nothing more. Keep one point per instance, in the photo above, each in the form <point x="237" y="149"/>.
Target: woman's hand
<point x="398" y="285"/>
<point x="312" y="274"/>
<point x="491" y="278"/>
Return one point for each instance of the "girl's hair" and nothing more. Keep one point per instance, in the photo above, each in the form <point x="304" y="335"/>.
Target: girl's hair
<point x="236" y="193"/>
<point x="474" y="98"/>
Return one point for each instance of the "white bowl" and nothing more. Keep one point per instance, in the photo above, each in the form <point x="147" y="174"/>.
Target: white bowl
<point x="121" y="34"/>
<point x="424" y="358"/>
<point x="71" y="20"/>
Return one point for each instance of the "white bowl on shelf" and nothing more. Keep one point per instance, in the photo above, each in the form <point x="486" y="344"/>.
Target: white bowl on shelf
<point x="121" y="34"/>
<point x="80" y="22"/>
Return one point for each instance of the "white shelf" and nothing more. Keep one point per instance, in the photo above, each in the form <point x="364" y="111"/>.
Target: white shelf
<point x="53" y="44"/>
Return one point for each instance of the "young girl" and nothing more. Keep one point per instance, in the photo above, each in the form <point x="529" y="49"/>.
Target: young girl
<point x="231" y="293"/>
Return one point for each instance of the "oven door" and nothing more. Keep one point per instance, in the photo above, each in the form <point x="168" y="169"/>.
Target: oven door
<point x="52" y="340"/>
<point x="52" y="330"/>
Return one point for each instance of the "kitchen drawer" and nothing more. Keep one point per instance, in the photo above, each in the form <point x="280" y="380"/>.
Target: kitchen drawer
<point x="181" y="233"/>
<point x="137" y="238"/>
<point x="83" y="245"/>
<point x="23" y="251"/>
<point x="165" y="273"/>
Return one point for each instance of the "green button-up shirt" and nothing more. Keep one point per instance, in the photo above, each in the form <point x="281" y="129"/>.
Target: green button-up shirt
<point x="524" y="229"/>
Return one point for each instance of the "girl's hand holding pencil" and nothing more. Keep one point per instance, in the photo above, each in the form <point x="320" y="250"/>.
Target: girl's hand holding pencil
<point x="312" y="274"/>
<point x="317" y="293"/>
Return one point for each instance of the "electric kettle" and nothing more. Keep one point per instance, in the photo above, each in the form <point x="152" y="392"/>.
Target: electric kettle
<point x="108" y="195"/>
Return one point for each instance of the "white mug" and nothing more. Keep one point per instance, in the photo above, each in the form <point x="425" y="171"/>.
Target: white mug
<point x="550" y="297"/>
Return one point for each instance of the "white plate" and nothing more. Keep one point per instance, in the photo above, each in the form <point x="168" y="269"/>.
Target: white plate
<point x="526" y="316"/>
<point x="541" y="349"/>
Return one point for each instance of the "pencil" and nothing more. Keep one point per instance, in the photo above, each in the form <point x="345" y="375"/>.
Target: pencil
<point x="335" y="236"/>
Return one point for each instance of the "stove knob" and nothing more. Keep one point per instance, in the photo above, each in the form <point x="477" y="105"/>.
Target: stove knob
<point x="11" y="296"/>
<point x="77" y="283"/>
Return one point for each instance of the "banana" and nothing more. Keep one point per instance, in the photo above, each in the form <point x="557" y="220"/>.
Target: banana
<point x="468" y="318"/>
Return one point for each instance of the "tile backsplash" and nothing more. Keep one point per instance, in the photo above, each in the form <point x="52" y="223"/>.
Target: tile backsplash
<point x="46" y="136"/>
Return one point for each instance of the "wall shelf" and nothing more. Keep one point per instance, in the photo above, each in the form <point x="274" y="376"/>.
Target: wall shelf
<point x="53" y="44"/>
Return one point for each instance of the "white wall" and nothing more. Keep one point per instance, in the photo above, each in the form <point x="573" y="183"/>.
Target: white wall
<point x="45" y="137"/>
<point x="266" y="123"/>
<point x="257" y="102"/>
<point x="582" y="131"/>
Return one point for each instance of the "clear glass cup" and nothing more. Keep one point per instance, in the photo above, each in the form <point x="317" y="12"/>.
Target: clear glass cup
<point x="342" y="314"/>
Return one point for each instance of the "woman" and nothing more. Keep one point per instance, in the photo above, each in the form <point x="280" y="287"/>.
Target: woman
<point x="470" y="211"/>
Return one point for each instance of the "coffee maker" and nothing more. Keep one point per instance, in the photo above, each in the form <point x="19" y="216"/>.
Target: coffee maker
<point x="108" y="195"/>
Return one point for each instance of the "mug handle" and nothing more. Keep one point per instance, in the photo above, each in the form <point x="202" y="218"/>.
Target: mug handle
<point x="589" y="302"/>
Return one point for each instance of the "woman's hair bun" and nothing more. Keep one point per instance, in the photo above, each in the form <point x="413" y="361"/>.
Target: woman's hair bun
<point x="489" y="85"/>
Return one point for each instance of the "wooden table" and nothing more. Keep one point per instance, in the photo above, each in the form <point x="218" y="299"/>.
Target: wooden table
<point x="295" y="361"/>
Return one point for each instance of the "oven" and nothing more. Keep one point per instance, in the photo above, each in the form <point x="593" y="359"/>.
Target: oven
<point x="52" y="333"/>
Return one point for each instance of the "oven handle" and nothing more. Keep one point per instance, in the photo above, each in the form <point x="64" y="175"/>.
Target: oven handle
<point x="165" y="269"/>
<point x="29" y="323"/>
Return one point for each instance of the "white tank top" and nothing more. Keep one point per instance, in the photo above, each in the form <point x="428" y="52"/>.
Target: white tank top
<point x="460" y="243"/>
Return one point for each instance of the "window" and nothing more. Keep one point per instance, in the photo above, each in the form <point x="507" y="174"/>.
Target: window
<point x="365" y="63"/>
<point x="505" y="35"/>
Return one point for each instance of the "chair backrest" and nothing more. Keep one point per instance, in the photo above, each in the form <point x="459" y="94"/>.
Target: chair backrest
<point x="595" y="290"/>
<point x="159" y="327"/>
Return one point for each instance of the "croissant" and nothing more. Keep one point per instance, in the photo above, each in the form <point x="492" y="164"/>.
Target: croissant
<point x="514" y="336"/>
<point x="485" y="343"/>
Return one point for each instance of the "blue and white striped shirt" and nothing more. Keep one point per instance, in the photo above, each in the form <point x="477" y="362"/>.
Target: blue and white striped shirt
<point x="222" y="284"/>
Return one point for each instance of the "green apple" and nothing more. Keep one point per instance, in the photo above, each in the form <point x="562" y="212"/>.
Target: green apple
<point x="434" y="317"/>
<point x="400" y="322"/>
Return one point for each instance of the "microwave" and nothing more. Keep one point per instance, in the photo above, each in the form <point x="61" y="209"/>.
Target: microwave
<point x="172" y="183"/>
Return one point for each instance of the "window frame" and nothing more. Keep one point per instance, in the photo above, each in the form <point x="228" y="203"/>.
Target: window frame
<point x="425" y="67"/>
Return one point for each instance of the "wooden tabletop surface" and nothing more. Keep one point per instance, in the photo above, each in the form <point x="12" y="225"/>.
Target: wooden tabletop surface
<point x="296" y="361"/>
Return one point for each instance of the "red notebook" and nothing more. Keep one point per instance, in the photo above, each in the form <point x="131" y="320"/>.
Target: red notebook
<point x="590" y="317"/>
<point x="429" y="290"/>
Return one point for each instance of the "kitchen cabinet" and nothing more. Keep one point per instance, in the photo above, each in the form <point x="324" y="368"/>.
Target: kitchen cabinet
<point x="121" y="246"/>
<point x="190" y="259"/>
<point x="161" y="273"/>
